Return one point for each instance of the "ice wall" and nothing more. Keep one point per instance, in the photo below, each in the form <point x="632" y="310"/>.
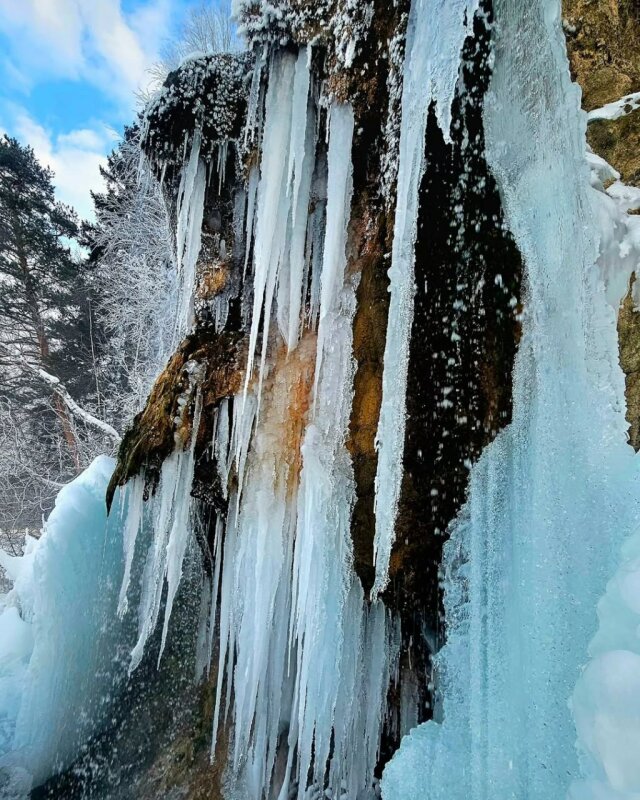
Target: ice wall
<point x="307" y="661"/>
<point x="605" y="701"/>
<point x="59" y="631"/>
<point x="531" y="551"/>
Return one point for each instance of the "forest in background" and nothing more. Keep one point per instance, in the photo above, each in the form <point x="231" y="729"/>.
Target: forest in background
<point x="84" y="305"/>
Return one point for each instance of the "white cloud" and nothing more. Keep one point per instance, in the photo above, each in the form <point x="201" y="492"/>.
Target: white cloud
<point x="91" y="40"/>
<point x="75" y="157"/>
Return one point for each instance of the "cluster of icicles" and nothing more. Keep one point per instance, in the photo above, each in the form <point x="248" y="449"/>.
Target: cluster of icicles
<point x="305" y="655"/>
<point x="305" y="660"/>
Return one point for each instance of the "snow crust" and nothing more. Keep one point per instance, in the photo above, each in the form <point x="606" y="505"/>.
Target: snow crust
<point x="58" y="633"/>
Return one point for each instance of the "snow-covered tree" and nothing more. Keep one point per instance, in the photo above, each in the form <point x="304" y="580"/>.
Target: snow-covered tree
<point x="133" y="277"/>
<point x="46" y="348"/>
<point x="207" y="28"/>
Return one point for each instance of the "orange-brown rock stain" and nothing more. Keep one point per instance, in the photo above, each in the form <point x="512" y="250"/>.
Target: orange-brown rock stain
<point x="285" y="402"/>
<point x="209" y="362"/>
<point x="366" y="251"/>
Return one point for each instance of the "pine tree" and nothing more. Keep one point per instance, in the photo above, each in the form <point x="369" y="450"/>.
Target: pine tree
<point x="44" y="312"/>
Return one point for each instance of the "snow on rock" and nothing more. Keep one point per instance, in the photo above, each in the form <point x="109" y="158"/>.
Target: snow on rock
<point x="618" y="230"/>
<point x="617" y="109"/>
<point x="206" y="94"/>
<point x="58" y="628"/>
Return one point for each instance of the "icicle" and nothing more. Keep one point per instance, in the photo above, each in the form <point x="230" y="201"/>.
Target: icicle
<point x="181" y="527"/>
<point x="273" y="203"/>
<point x="245" y="410"/>
<point x="303" y="166"/>
<point x="191" y="195"/>
<point x="294" y="623"/>
<point x="339" y="188"/>
<point x="252" y="191"/>
<point x="436" y="33"/>
<point x="203" y="653"/>
<point x="133" y="524"/>
<point x="221" y="441"/>
<point x="282" y="205"/>
<point x="254" y="95"/>
<point x="315" y="238"/>
<point x="217" y="561"/>
<point x="171" y="529"/>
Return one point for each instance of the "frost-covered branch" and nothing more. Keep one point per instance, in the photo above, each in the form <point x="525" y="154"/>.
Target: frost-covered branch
<point x="134" y="280"/>
<point x="76" y="410"/>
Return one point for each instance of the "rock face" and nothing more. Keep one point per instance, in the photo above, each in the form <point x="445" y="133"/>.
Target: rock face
<point x="603" y="44"/>
<point x="603" y="41"/>
<point x="618" y="142"/>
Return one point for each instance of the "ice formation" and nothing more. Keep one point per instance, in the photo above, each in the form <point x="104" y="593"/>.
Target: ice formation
<point x="189" y="226"/>
<point x="294" y="623"/>
<point x="59" y="632"/>
<point x="306" y="662"/>
<point x="435" y="36"/>
<point x="531" y="552"/>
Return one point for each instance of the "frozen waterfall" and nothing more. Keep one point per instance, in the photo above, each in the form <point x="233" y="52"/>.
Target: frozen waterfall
<point x="531" y="552"/>
<point x="308" y="669"/>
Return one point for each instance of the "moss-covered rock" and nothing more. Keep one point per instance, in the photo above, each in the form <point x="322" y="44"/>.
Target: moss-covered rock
<point x="603" y="42"/>
<point x="206" y="362"/>
<point x="629" y="349"/>
<point x="618" y="142"/>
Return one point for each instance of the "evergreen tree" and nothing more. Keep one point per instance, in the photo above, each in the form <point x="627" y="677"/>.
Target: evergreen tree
<point x="44" y="319"/>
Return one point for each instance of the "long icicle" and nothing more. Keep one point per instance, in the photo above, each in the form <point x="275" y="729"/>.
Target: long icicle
<point x="436" y="34"/>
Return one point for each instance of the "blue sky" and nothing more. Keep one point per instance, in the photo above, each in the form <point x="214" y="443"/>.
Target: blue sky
<point x="69" y="72"/>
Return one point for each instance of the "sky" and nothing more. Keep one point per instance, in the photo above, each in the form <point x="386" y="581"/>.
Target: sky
<point x="69" y="73"/>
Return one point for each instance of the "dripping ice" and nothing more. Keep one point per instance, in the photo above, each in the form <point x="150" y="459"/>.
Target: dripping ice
<point x="307" y="659"/>
<point x="531" y="551"/>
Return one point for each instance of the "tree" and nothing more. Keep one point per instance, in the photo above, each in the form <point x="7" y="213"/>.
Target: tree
<point x="133" y="277"/>
<point x="208" y="28"/>
<point x="45" y="332"/>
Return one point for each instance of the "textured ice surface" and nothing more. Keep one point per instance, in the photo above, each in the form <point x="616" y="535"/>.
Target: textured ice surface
<point x="550" y="500"/>
<point x="58" y="628"/>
